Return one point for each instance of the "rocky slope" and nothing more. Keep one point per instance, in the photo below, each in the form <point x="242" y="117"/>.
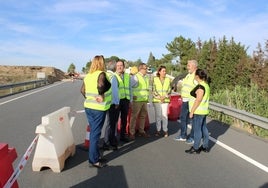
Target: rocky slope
<point x="15" y="74"/>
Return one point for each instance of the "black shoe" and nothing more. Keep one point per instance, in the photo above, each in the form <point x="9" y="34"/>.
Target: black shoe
<point x="114" y="147"/>
<point x="192" y="151"/>
<point x="103" y="160"/>
<point x="99" y="164"/>
<point x="124" y="139"/>
<point x="204" y="149"/>
<point x="105" y="147"/>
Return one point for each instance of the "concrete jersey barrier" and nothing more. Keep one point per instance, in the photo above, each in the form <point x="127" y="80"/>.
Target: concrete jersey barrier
<point x="55" y="143"/>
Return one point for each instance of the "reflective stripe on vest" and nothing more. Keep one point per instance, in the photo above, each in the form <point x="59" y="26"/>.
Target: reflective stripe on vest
<point x="91" y="90"/>
<point x="123" y="86"/>
<point x="142" y="90"/>
<point x="161" y="89"/>
<point x="187" y="85"/>
<point x="202" y="109"/>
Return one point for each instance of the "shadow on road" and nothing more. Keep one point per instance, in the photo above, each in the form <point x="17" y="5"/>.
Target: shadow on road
<point x="216" y="129"/>
<point x="110" y="176"/>
<point x="114" y="176"/>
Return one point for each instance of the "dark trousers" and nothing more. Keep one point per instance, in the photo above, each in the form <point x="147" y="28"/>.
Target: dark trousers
<point x="95" y="119"/>
<point x="112" y="118"/>
<point x="123" y="107"/>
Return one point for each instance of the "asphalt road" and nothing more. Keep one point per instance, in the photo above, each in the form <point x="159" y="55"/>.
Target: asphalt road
<point x="236" y="160"/>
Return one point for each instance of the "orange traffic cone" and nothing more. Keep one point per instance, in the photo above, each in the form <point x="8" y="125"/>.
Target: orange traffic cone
<point x="87" y="139"/>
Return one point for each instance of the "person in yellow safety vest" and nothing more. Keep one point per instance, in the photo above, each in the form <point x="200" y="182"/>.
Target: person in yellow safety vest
<point x="188" y="83"/>
<point x="198" y="106"/>
<point x="124" y="90"/>
<point x="96" y="90"/>
<point x="161" y="94"/>
<point x="110" y="140"/>
<point x="140" y="95"/>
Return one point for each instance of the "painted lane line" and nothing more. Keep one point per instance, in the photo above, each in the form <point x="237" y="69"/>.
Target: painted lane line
<point x="80" y="111"/>
<point x="241" y="155"/>
<point x="30" y="93"/>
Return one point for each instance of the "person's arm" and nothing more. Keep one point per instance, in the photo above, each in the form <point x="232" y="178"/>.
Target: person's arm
<point x="130" y="90"/>
<point x="83" y="90"/>
<point x="156" y="95"/>
<point x="103" y="84"/>
<point x="115" y="92"/>
<point x="134" y="81"/>
<point x="133" y="84"/>
<point x="199" y="96"/>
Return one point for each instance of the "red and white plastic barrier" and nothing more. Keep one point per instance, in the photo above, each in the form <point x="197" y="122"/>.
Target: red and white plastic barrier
<point x="87" y="139"/>
<point x="21" y="164"/>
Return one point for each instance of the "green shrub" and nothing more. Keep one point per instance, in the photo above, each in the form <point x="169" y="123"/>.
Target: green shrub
<point x="250" y="99"/>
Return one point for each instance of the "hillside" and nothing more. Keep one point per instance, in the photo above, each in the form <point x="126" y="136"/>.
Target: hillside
<point x="15" y="74"/>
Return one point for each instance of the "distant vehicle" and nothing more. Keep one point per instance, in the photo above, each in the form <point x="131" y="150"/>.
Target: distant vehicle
<point x="149" y="70"/>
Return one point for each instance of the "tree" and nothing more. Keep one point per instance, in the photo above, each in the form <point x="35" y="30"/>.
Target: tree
<point x="151" y="60"/>
<point x="71" y="68"/>
<point x="181" y="50"/>
<point x="230" y="66"/>
<point x="260" y="66"/>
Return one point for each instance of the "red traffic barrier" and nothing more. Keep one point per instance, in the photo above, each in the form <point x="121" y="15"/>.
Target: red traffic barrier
<point x="87" y="139"/>
<point x="7" y="157"/>
<point x="146" y="126"/>
<point x="174" y="107"/>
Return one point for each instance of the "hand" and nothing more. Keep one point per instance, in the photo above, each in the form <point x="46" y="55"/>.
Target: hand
<point x="162" y="99"/>
<point x="191" y="115"/>
<point x="99" y="98"/>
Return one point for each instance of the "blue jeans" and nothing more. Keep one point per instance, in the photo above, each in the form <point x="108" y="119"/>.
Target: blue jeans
<point x="200" y="129"/>
<point x="184" y="117"/>
<point x="96" y="120"/>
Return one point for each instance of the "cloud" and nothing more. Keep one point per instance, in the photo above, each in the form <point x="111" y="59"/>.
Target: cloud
<point x="65" y="31"/>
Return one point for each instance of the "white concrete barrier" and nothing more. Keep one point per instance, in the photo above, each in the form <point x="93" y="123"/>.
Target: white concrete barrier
<point x="55" y="143"/>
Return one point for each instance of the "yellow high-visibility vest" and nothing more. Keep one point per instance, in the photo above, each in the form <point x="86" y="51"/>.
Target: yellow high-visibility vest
<point x="202" y="109"/>
<point x="161" y="89"/>
<point x="188" y="84"/>
<point x="91" y="92"/>
<point x="142" y="90"/>
<point x="123" y="86"/>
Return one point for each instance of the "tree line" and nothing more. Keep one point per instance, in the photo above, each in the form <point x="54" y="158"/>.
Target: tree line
<point x="226" y="62"/>
<point x="237" y="79"/>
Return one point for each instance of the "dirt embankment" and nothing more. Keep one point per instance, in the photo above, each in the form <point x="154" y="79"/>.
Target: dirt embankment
<point x="16" y="74"/>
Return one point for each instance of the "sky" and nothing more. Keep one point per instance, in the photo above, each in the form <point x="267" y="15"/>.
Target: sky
<point x="60" y="32"/>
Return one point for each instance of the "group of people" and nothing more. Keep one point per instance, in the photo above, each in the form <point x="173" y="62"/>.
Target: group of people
<point x="195" y="94"/>
<point x="111" y="93"/>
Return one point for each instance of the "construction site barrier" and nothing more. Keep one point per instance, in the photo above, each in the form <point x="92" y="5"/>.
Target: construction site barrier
<point x="55" y="143"/>
<point x="146" y="126"/>
<point x="7" y="157"/>
<point x="87" y="139"/>
<point x="12" y="181"/>
<point x="174" y="107"/>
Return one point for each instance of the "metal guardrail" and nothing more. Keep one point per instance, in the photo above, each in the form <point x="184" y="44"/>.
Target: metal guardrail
<point x="15" y="88"/>
<point x="240" y="114"/>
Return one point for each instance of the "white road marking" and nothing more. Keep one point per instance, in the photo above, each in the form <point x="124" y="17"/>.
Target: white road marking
<point x="30" y="93"/>
<point x="80" y="111"/>
<point x="241" y="155"/>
